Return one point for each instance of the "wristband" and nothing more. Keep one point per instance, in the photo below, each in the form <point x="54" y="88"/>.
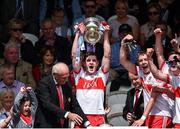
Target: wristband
<point x="143" y="117"/>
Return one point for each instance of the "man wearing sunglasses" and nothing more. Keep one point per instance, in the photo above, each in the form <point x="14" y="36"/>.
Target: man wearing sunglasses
<point x="173" y="69"/>
<point x="26" y="48"/>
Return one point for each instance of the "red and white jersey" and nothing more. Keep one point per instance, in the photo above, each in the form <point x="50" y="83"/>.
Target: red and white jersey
<point x="90" y="91"/>
<point x="175" y="81"/>
<point x="161" y="106"/>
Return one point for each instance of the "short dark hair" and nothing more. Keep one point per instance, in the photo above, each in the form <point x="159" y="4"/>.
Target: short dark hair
<point x="125" y="28"/>
<point x="45" y="21"/>
<point x="141" y="53"/>
<point x="24" y="99"/>
<point x="89" y="54"/>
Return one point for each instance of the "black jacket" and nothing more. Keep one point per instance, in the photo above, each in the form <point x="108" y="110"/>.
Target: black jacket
<point x="49" y="113"/>
<point x="129" y="105"/>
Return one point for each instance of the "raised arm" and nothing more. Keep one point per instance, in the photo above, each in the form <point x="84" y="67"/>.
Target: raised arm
<point x="156" y="72"/>
<point x="34" y="102"/>
<point x="107" y="51"/>
<point x="16" y="106"/>
<point x="81" y="29"/>
<point x="158" y="46"/>
<point x="123" y="56"/>
<point x="175" y="44"/>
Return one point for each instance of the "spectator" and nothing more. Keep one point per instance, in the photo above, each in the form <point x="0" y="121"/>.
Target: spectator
<point x="23" y="70"/>
<point x="122" y="17"/>
<point x="6" y="98"/>
<point x="26" y="48"/>
<point x="165" y="9"/>
<point x="103" y="8"/>
<point x="89" y="8"/>
<point x="8" y="79"/>
<point x="165" y="40"/>
<point x="56" y="103"/>
<point x="45" y="67"/>
<point x="91" y="81"/>
<point x="24" y="108"/>
<point x="134" y="107"/>
<point x="137" y="7"/>
<point x="61" y="45"/>
<point x="61" y="28"/>
<point x="26" y="10"/>
<point x="146" y="30"/>
<point x="72" y="9"/>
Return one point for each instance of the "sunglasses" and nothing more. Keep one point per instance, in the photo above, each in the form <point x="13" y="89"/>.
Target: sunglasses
<point x="17" y="29"/>
<point x="153" y="13"/>
<point x="90" y="6"/>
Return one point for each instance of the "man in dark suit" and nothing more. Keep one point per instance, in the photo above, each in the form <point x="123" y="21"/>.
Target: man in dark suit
<point x="49" y="38"/>
<point x="134" y="107"/>
<point x="51" y="113"/>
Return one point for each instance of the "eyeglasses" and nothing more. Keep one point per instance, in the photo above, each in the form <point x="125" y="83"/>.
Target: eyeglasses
<point x="153" y="13"/>
<point x="17" y="29"/>
<point x="90" y="6"/>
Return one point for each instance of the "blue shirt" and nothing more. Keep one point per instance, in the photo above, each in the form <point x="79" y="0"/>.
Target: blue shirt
<point x="16" y="86"/>
<point x="115" y="49"/>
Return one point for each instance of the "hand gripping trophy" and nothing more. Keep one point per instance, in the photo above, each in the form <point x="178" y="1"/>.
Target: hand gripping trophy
<point x="129" y="42"/>
<point x="94" y="29"/>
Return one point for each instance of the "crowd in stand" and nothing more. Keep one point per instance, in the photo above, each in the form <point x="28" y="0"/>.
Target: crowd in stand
<point x="54" y="80"/>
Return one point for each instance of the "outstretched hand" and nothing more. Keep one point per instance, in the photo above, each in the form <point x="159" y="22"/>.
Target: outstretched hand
<point x="75" y="118"/>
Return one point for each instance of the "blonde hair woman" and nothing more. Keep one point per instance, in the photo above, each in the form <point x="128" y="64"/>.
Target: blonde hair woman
<point x="122" y="17"/>
<point x="6" y="101"/>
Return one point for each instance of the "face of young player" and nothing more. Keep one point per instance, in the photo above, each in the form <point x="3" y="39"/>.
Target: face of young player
<point x="174" y="64"/>
<point x="91" y="64"/>
<point x="143" y="63"/>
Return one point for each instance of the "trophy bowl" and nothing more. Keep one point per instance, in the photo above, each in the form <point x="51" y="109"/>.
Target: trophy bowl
<point x="92" y="34"/>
